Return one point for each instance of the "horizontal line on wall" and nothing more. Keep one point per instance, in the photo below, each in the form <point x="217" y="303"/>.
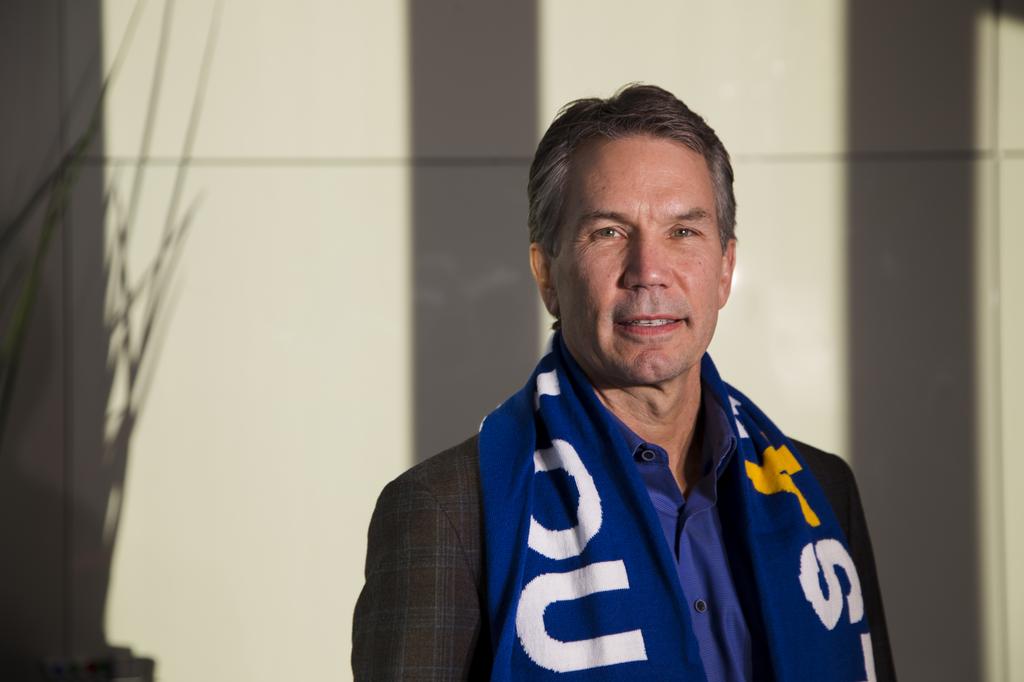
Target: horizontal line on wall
<point x="283" y="161"/>
<point x="880" y="155"/>
<point x="517" y="161"/>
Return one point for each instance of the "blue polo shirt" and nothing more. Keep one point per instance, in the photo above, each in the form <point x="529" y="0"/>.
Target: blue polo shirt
<point x="694" y="535"/>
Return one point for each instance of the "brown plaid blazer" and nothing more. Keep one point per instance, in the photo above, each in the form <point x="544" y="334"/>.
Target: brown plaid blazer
<point x="420" y="614"/>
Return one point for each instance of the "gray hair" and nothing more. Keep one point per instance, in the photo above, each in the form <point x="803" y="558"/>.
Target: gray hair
<point x="633" y="110"/>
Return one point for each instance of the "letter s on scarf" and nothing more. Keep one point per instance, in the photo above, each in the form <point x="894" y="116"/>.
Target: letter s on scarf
<point x="830" y="553"/>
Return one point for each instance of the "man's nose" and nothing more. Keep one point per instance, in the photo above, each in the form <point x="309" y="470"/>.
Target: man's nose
<point x="646" y="263"/>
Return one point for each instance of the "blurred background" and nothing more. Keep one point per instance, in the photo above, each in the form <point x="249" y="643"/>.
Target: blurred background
<point x="257" y="258"/>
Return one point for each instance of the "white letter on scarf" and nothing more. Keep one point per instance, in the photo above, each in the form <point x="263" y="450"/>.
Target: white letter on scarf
<point x="547" y="384"/>
<point x="735" y="404"/>
<point x="562" y="657"/>
<point x="566" y="542"/>
<point x="830" y="553"/>
<point x="869" y="656"/>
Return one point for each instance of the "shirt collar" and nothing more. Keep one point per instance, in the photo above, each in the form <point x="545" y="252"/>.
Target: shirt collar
<point x="719" y="441"/>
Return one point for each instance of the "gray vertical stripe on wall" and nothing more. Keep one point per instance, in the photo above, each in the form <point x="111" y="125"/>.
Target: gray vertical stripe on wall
<point x="34" y="462"/>
<point x="473" y="73"/>
<point x="911" y="89"/>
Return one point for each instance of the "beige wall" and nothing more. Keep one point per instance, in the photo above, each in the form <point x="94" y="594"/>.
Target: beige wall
<point x="1007" y="299"/>
<point x="280" y="402"/>
<point x="240" y="482"/>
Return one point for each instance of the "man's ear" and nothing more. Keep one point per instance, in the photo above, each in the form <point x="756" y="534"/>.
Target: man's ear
<point x="728" y="268"/>
<point x="540" y="265"/>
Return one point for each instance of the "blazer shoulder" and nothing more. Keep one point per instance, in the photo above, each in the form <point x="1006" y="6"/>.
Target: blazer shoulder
<point x="446" y="488"/>
<point x="452" y="477"/>
<point x="828" y="469"/>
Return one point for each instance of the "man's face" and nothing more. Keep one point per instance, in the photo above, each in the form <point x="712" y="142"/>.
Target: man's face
<point x="640" y="274"/>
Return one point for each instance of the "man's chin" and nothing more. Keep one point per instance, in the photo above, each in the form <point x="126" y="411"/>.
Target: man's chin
<point x="653" y="369"/>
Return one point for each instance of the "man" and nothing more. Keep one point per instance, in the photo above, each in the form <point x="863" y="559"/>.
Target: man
<point x="626" y="515"/>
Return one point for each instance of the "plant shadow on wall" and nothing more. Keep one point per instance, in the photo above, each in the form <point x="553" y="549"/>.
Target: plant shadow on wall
<point x="137" y="305"/>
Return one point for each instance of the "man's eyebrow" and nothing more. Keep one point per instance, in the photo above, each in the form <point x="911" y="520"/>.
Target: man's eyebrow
<point x="694" y="214"/>
<point x="599" y="214"/>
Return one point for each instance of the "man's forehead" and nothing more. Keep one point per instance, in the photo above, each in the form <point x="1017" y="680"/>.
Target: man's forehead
<point x="605" y="172"/>
<point x="599" y="146"/>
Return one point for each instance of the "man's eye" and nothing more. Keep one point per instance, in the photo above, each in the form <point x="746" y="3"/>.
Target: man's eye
<point x="682" y="232"/>
<point x="606" y="232"/>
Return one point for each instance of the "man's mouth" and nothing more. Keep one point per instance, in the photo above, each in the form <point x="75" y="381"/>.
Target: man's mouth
<point x="659" y="322"/>
<point x="654" y="325"/>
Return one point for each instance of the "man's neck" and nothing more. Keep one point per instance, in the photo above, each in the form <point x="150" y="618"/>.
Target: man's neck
<point x="667" y="417"/>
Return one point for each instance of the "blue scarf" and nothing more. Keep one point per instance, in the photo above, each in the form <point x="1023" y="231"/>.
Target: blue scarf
<point x="580" y="580"/>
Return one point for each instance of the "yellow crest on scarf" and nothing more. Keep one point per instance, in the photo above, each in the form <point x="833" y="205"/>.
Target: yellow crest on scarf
<point x="775" y="476"/>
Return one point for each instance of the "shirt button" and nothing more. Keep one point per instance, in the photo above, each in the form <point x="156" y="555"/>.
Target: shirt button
<point x="648" y="455"/>
<point x="700" y="605"/>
